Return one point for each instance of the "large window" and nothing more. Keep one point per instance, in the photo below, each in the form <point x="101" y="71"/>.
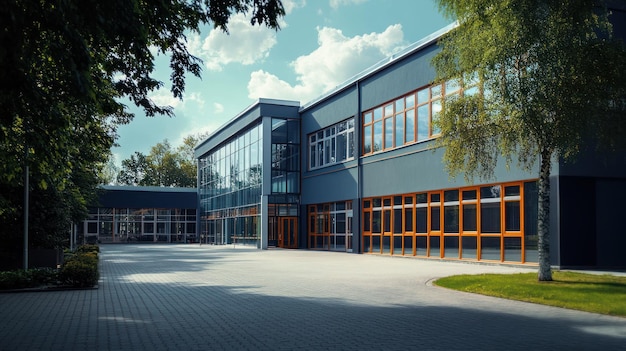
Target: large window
<point x="487" y="223"/>
<point x="330" y="226"/>
<point x="332" y="145"/>
<point x="408" y="119"/>
<point x="230" y="179"/>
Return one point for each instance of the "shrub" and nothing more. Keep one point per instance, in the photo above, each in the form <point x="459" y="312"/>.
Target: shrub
<point x="88" y="248"/>
<point x="81" y="267"/>
<point x="80" y="272"/>
<point x="32" y="278"/>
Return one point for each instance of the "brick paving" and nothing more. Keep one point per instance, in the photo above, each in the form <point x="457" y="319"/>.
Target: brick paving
<point x="190" y="297"/>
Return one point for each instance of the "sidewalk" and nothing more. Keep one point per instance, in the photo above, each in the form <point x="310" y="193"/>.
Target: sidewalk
<point x="190" y="297"/>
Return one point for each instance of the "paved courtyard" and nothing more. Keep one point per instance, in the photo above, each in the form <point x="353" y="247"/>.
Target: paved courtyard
<point x="190" y="297"/>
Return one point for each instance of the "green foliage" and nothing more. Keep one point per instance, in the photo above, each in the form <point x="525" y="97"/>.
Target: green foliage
<point x="551" y="78"/>
<point x="604" y="294"/>
<point x="164" y="166"/>
<point x="66" y="68"/>
<point x="31" y="278"/>
<point x="81" y="268"/>
<point x="551" y="75"/>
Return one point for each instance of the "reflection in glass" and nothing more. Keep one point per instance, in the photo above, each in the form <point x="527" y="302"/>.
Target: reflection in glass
<point x="421" y="245"/>
<point x="490" y="248"/>
<point x="513" y="249"/>
<point x="451" y="246"/>
<point x="468" y="247"/>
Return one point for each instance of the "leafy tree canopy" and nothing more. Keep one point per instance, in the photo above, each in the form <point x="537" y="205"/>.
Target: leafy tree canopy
<point x="549" y="74"/>
<point x="66" y="65"/>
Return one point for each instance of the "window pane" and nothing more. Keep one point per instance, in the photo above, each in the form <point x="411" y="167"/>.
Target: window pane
<point x="367" y="117"/>
<point x="421" y="220"/>
<point x="378" y="136"/>
<point x="468" y="247"/>
<point x="399" y="105"/>
<point x="450" y="195"/>
<point x="367" y="139"/>
<point x="530" y="222"/>
<point x="421" y="245"/>
<point x="388" y="110"/>
<point x="408" y="245"/>
<point x="397" y="221"/>
<point x="423" y="113"/>
<point x="436" y="110"/>
<point x="451" y="246"/>
<point x="436" y="91"/>
<point x="421" y="198"/>
<point x="399" y="130"/>
<point x="511" y="190"/>
<point x="469" y="194"/>
<point x="452" y="86"/>
<point x="409" y="131"/>
<point x="410" y="101"/>
<point x="490" y="192"/>
<point x="451" y="219"/>
<point x="397" y="244"/>
<point x="376" y="222"/>
<point x="350" y="144"/>
<point x="422" y="96"/>
<point x="469" y="217"/>
<point x="388" y="133"/>
<point x="435" y="219"/>
<point x="490" y="248"/>
<point x="341" y="147"/>
<point x="367" y="216"/>
<point x="490" y="217"/>
<point x="408" y="219"/>
<point x="512" y="216"/>
<point x="435" y="246"/>
<point x="513" y="249"/>
<point x="378" y="114"/>
<point x="387" y="221"/>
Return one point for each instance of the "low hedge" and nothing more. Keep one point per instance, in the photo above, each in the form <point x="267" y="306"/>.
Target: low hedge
<point x="80" y="270"/>
<point x="31" y="278"/>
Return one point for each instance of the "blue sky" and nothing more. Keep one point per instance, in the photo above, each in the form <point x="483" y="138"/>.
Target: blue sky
<point x="321" y="44"/>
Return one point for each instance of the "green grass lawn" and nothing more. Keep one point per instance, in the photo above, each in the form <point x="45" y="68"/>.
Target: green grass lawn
<point x="604" y="294"/>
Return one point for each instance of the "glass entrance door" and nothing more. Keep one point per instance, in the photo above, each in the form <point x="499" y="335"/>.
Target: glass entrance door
<point x="288" y="232"/>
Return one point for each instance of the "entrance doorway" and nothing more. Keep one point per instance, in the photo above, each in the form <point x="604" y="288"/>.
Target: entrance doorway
<point x="288" y="232"/>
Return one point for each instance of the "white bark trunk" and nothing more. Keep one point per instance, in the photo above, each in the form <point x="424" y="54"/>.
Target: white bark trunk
<point x="543" y="220"/>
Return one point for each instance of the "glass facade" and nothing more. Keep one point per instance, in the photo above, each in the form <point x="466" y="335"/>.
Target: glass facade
<point x="330" y="226"/>
<point x="230" y="186"/>
<point x="113" y="225"/>
<point x="484" y="223"/>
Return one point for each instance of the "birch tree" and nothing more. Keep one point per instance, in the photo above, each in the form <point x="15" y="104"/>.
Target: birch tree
<point x="551" y="77"/>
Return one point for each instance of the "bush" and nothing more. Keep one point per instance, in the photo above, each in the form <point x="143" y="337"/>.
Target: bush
<point x="88" y="248"/>
<point x="81" y="271"/>
<point x="32" y="278"/>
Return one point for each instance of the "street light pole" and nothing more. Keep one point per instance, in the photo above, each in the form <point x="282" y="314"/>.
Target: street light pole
<point x="26" y="185"/>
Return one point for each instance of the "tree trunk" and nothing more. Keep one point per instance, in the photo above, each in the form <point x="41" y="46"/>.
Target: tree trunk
<point x="543" y="220"/>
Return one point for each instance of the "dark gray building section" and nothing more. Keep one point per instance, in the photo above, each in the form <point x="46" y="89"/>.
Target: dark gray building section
<point x="148" y="197"/>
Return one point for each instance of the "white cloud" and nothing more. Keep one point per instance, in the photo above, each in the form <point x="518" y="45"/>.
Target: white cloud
<point x="245" y="44"/>
<point x="290" y="5"/>
<point x="163" y="97"/>
<point x="218" y="108"/>
<point x="336" y="59"/>
<point x="336" y="3"/>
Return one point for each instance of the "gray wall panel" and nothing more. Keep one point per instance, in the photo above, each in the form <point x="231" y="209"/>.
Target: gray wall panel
<point x="330" y="187"/>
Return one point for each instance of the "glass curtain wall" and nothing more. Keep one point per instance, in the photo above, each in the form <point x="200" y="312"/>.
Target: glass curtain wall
<point x="113" y="225"/>
<point x="230" y="179"/>
<point x="284" y="198"/>
<point x="486" y="223"/>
